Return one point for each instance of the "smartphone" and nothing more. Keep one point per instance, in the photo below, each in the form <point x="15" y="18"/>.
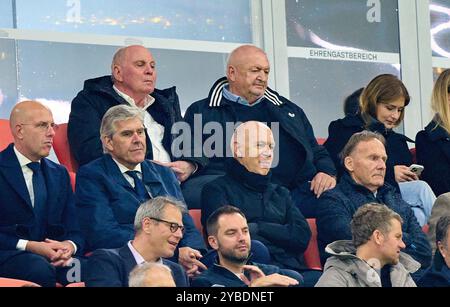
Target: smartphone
<point x="416" y="169"/>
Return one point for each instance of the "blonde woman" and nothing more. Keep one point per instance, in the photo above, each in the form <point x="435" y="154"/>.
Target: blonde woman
<point x="433" y="143"/>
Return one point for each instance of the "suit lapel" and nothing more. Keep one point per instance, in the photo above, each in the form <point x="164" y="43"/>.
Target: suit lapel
<point x="151" y="178"/>
<point x="11" y="170"/>
<point x="53" y="183"/>
<point x="128" y="258"/>
<point x="113" y="171"/>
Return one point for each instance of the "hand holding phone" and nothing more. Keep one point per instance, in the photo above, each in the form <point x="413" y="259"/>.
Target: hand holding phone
<point x="416" y="169"/>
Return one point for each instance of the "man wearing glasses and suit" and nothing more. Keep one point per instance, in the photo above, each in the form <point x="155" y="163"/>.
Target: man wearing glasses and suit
<point x="39" y="233"/>
<point x="159" y="227"/>
<point x="110" y="189"/>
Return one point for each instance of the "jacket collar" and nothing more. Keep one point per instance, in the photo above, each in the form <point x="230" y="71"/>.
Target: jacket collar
<point x="13" y="174"/>
<point x="344" y="249"/>
<point x="150" y="176"/>
<point x="436" y="132"/>
<point x="216" y="94"/>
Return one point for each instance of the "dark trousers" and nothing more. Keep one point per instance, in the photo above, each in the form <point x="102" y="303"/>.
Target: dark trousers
<point x="192" y="190"/>
<point x="35" y="268"/>
<point x="305" y="200"/>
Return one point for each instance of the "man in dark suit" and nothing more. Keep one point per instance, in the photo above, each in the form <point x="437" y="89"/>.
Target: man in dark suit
<point x="39" y="232"/>
<point x="110" y="189"/>
<point x="159" y="228"/>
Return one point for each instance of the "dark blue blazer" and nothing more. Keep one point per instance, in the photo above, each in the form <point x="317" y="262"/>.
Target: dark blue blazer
<point x="111" y="268"/>
<point x="106" y="202"/>
<point x="16" y="212"/>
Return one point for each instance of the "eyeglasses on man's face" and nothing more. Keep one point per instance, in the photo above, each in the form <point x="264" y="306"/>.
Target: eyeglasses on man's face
<point x="172" y="226"/>
<point x="43" y="126"/>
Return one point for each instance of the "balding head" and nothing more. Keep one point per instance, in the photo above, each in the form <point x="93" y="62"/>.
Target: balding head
<point x="252" y="145"/>
<point x="133" y="71"/>
<point x="248" y="72"/>
<point x="31" y="125"/>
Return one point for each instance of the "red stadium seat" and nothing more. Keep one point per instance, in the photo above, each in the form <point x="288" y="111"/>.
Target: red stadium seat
<point x="196" y="215"/>
<point x="321" y="141"/>
<point x="6" y="137"/>
<point x="62" y="149"/>
<point x="311" y="255"/>
<point x="413" y="154"/>
<point x="9" y="282"/>
<point x="76" y="285"/>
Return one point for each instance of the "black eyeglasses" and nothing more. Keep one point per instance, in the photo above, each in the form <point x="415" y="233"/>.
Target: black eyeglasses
<point x="172" y="226"/>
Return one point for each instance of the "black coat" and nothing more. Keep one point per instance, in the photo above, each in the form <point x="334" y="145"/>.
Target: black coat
<point x="433" y="152"/>
<point x="97" y="97"/>
<point x="272" y="217"/>
<point x="340" y="131"/>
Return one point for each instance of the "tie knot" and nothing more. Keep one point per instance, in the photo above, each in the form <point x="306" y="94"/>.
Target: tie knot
<point x="133" y="174"/>
<point x="34" y="166"/>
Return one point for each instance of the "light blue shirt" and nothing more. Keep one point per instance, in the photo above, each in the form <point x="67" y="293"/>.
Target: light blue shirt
<point x="235" y="98"/>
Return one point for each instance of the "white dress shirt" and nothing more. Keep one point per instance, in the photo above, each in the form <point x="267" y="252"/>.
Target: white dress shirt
<point x="154" y="129"/>
<point x="138" y="257"/>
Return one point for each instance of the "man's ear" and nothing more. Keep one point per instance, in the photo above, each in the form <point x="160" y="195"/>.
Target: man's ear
<point x="231" y="73"/>
<point x="18" y="132"/>
<point x="212" y="240"/>
<point x="378" y="237"/>
<point x="442" y="249"/>
<point x="117" y="73"/>
<point x="108" y="143"/>
<point x="348" y="163"/>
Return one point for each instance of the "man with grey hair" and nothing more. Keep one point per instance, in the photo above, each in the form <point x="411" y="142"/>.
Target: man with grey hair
<point x="374" y="258"/>
<point x="364" y="158"/>
<point x="151" y="275"/>
<point x="158" y="229"/>
<point x="132" y="82"/>
<point x="110" y="189"/>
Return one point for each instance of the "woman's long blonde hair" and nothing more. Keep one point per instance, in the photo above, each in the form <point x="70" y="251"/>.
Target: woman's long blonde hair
<point x="439" y="101"/>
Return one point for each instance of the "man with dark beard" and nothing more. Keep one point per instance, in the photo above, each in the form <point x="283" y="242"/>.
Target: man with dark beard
<point x="229" y="235"/>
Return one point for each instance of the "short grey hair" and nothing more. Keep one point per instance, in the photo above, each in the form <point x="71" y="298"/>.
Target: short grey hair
<point x="138" y="275"/>
<point x="115" y="114"/>
<point x="371" y="217"/>
<point x="355" y="139"/>
<point x="442" y="229"/>
<point x="153" y="208"/>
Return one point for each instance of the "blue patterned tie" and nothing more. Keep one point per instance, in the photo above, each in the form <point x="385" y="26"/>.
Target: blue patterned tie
<point x="139" y="187"/>
<point x="40" y="198"/>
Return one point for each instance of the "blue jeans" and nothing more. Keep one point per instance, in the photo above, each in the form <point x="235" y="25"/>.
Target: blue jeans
<point x="420" y="197"/>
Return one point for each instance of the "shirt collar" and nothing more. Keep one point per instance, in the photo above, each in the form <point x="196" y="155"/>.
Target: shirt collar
<point x="149" y="100"/>
<point x="23" y="161"/>
<point x="235" y="98"/>
<point x="138" y="257"/>
<point x="124" y="169"/>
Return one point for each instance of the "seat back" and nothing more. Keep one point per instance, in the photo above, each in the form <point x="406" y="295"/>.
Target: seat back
<point x="62" y="149"/>
<point x="311" y="255"/>
<point x="413" y="154"/>
<point x="10" y="282"/>
<point x="321" y="141"/>
<point x="196" y="215"/>
<point x="6" y="137"/>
